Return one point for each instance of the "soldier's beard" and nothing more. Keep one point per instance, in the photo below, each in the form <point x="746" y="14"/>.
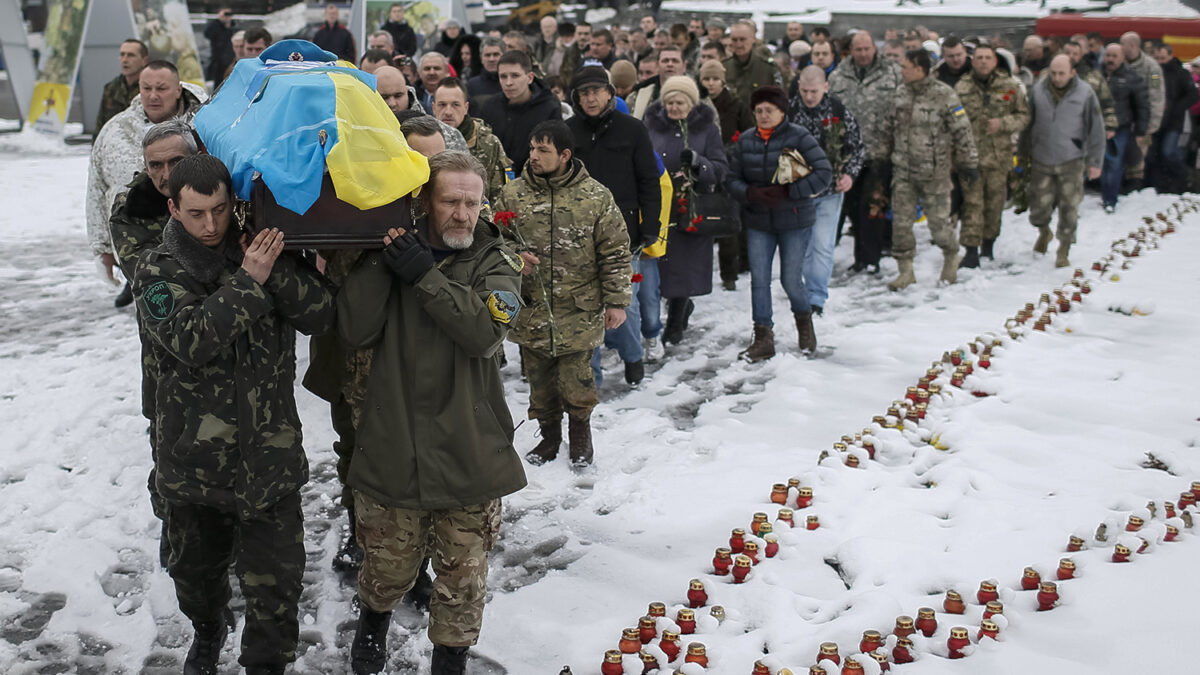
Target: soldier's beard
<point x="457" y="238"/>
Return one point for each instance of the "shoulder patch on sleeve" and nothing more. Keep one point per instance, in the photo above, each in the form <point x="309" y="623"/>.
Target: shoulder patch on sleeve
<point x="158" y="300"/>
<point x="515" y="262"/>
<point x="504" y="306"/>
<point x="958" y="110"/>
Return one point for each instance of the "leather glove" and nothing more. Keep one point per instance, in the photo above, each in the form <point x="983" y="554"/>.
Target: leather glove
<point x="967" y="177"/>
<point x="408" y="258"/>
<point x="687" y="156"/>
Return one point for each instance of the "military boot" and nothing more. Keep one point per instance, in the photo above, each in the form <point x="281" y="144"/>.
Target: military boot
<point x="808" y="337"/>
<point x="349" y="557"/>
<point x="762" y="347"/>
<point x="1064" y="251"/>
<point x="1043" y="240"/>
<point x="987" y="250"/>
<point x="546" y="449"/>
<point x="905" y="278"/>
<point x="207" y="642"/>
<point x="579" y="437"/>
<point x="448" y="660"/>
<point x="949" y="266"/>
<point x="368" y="653"/>
<point x="971" y="258"/>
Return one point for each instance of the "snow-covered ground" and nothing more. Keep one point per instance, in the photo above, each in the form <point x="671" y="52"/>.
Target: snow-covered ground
<point x="1059" y="447"/>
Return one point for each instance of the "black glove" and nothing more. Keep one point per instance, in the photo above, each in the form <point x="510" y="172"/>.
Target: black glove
<point x="967" y="177"/>
<point x="408" y="257"/>
<point x="648" y="240"/>
<point x="686" y="157"/>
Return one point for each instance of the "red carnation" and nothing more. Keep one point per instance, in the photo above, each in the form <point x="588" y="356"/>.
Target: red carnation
<point x="825" y="122"/>
<point x="1006" y="97"/>
<point x="637" y="278"/>
<point x="736" y="136"/>
<point x="682" y="209"/>
<point x="504" y="217"/>
<point x="836" y="120"/>
<point x="691" y="228"/>
<point x="1012" y="91"/>
<point x="697" y="220"/>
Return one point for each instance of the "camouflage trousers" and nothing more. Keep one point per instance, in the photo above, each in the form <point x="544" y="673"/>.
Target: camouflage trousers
<point x="1136" y="170"/>
<point x="396" y="543"/>
<point x="558" y="384"/>
<point x="983" y="204"/>
<point x="1057" y="186"/>
<point x="269" y="550"/>
<point x="935" y="202"/>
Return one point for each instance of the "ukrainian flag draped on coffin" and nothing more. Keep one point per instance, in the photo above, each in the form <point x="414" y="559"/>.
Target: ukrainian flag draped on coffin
<point x="295" y="112"/>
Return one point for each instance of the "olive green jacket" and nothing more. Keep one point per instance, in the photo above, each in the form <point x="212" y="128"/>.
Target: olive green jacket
<point x="435" y="431"/>
<point x="228" y="434"/>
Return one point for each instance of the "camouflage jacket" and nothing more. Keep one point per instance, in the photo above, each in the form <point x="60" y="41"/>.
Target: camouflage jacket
<point x="138" y="218"/>
<point x="117" y="158"/>
<point x="744" y="78"/>
<point x="930" y="135"/>
<point x="1099" y="85"/>
<point x="228" y="433"/>
<point x="872" y="99"/>
<point x="435" y="431"/>
<point x="571" y="223"/>
<point x="1151" y="74"/>
<point x="118" y="94"/>
<point x="486" y="148"/>
<point x="997" y="97"/>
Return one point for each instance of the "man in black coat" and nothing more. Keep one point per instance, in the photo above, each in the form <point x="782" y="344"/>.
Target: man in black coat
<point x="1132" y="102"/>
<point x="616" y="150"/>
<point x="1166" y="168"/>
<point x="486" y="84"/>
<point x="404" y="39"/>
<point x="333" y="36"/>
<point x="522" y="103"/>
<point x="219" y="32"/>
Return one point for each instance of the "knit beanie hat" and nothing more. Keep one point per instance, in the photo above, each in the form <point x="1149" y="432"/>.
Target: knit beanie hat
<point x="590" y="76"/>
<point x="769" y="94"/>
<point x="799" y="49"/>
<point x="623" y="74"/>
<point x="682" y="84"/>
<point x="712" y="69"/>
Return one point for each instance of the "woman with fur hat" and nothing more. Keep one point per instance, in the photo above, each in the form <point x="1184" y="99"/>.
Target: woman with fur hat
<point x="686" y="136"/>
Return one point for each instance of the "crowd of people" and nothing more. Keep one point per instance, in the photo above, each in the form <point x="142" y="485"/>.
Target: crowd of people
<point x="578" y="177"/>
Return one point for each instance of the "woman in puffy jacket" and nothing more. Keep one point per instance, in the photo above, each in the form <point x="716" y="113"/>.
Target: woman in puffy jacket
<point x="777" y="213"/>
<point x="685" y="135"/>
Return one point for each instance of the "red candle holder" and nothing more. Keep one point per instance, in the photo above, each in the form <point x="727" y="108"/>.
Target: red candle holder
<point x="1186" y="499"/>
<point x="953" y="603"/>
<point x="987" y="592"/>
<point x="696" y="654"/>
<point x="812" y="522"/>
<point x="988" y="629"/>
<point x="759" y="519"/>
<point x="869" y="445"/>
<point x="741" y="568"/>
<point x="1075" y="544"/>
<point x="1030" y="579"/>
<point x="772" y="547"/>
<point x="817" y="670"/>
<point x="612" y="663"/>
<point x="882" y="660"/>
<point x="926" y="621"/>
<point x="751" y="551"/>
<point x="669" y="644"/>
<point x="1172" y="533"/>
<point x="697" y="596"/>
<point x="737" y="540"/>
<point x="794" y="483"/>
<point x="1121" y="553"/>
<point x="902" y="652"/>
<point x="805" y="498"/>
<point x="1169" y="509"/>
<point x="686" y="620"/>
<point x="1066" y="569"/>
<point x="1047" y="596"/>
<point x="649" y="662"/>
<point x="787" y="516"/>
<point x="829" y="652"/>
<point x="760" y="668"/>
<point x="958" y="640"/>
<point x="631" y="641"/>
<point x="722" y="561"/>
<point x="1196" y="489"/>
<point x="1134" y="524"/>
<point x="871" y="640"/>
<point x="852" y="461"/>
<point x="647" y="629"/>
<point x="852" y="666"/>
<point x="779" y="493"/>
<point x="992" y="609"/>
<point x="910" y="393"/>
<point x="904" y="626"/>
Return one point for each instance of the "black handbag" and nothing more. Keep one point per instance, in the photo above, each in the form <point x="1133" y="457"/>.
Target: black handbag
<point x="720" y="214"/>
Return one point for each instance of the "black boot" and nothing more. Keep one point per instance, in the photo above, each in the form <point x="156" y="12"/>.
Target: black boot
<point x="677" y="311"/>
<point x="763" y="345"/>
<point x="449" y="660"/>
<point x="986" y="250"/>
<point x="579" y="436"/>
<point x="368" y="653"/>
<point x="207" y="642"/>
<point x="418" y="596"/>
<point x="971" y="259"/>
<point x="349" y="558"/>
<point x="634" y="372"/>
<point x="546" y="449"/>
<point x="125" y="297"/>
<point x="808" y="337"/>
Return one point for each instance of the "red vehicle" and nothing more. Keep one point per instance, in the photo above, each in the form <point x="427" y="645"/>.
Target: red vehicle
<point x="1182" y="34"/>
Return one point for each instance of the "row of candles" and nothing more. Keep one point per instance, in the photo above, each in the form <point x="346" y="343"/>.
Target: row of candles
<point x="743" y="552"/>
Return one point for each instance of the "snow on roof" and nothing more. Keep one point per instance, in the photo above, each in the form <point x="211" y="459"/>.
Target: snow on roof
<point x="1167" y="8"/>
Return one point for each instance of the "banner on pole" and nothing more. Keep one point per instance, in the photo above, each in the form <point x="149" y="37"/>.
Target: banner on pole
<point x="166" y="28"/>
<point x="66" y="24"/>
